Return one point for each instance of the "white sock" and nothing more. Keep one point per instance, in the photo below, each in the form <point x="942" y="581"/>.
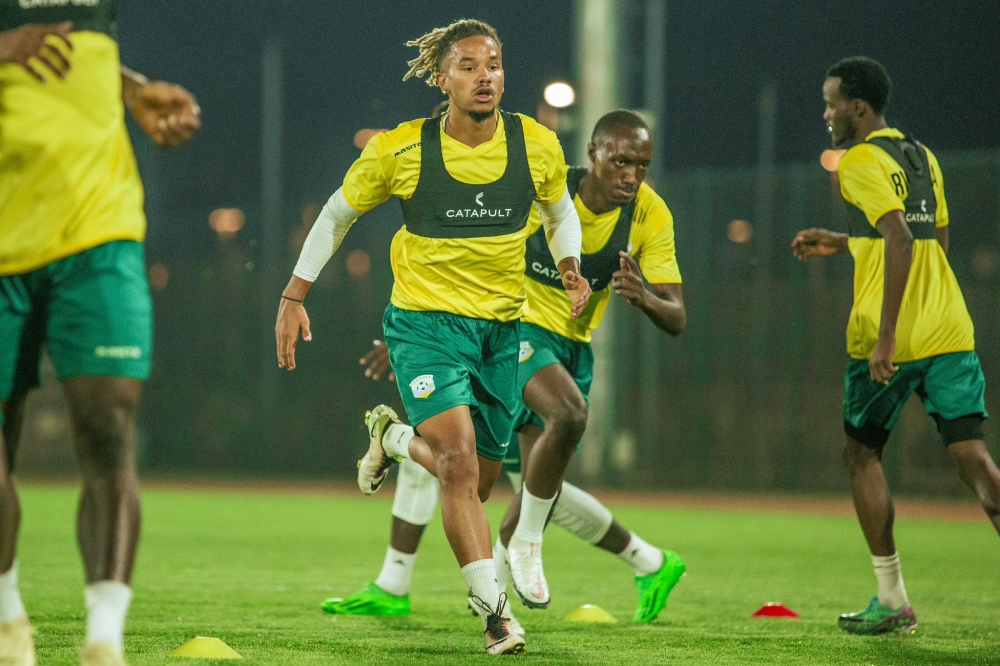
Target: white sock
<point x="534" y="513"/>
<point x="642" y="557"/>
<point x="397" y="571"/>
<point x="481" y="576"/>
<point x="396" y="440"/>
<point x="502" y="568"/>
<point x="891" y="591"/>
<point x="107" y="603"/>
<point x="11" y="607"/>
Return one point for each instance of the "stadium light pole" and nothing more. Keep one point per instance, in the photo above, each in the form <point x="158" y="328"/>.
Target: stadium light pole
<point x="650" y="339"/>
<point x="767" y="127"/>
<point x="597" y="30"/>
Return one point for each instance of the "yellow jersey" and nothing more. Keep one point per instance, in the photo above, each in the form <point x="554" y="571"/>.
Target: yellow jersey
<point x="482" y="276"/>
<point x="68" y="176"/>
<point x="650" y="241"/>
<point x="933" y="318"/>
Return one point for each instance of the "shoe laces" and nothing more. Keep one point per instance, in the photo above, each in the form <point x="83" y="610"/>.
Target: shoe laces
<point x="495" y="620"/>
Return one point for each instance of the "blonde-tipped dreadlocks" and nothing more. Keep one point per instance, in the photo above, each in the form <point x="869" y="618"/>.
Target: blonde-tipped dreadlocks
<point x="434" y="47"/>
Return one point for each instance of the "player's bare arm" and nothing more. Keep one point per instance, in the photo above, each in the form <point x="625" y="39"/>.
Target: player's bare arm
<point x="662" y="303"/>
<point x="818" y="243"/>
<point x="942" y="238"/>
<point x="292" y="321"/>
<point x="42" y="50"/>
<point x="168" y="113"/>
<point x="376" y="362"/>
<point x="898" y="257"/>
<point x="576" y="287"/>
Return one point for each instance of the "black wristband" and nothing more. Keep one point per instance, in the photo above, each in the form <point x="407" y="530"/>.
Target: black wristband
<point x="289" y="298"/>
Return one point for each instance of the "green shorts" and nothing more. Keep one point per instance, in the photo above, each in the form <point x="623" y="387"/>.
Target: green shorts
<point x="540" y="348"/>
<point x="92" y="311"/>
<point x="951" y="386"/>
<point x="442" y="360"/>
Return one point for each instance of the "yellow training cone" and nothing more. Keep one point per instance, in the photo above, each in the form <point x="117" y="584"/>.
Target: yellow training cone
<point x="203" y="647"/>
<point x="591" y="613"/>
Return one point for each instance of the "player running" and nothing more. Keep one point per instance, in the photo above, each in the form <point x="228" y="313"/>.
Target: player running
<point x="466" y="184"/>
<point x="556" y="368"/>
<point x="909" y="329"/>
<point x="73" y="280"/>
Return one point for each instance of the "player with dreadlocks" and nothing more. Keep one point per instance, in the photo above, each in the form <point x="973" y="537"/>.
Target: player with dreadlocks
<point x="466" y="183"/>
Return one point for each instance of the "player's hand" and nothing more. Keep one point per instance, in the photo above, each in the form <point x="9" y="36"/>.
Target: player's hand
<point x="628" y="282"/>
<point x="578" y="290"/>
<point x="292" y="320"/>
<point x="817" y="243"/>
<point x="880" y="367"/>
<point x="38" y="48"/>
<point x="168" y="113"/>
<point x="377" y="361"/>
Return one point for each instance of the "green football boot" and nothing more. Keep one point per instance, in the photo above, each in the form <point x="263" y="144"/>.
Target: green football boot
<point x="877" y="619"/>
<point x="654" y="588"/>
<point x="370" y="600"/>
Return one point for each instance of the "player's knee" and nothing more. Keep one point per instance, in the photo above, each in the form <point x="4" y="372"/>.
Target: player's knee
<point x="103" y="439"/>
<point x="570" y="421"/>
<point x="457" y="468"/>
<point x="979" y="472"/>
<point x="857" y="456"/>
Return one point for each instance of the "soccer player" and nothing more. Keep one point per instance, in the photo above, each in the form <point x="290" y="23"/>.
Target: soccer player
<point x="619" y="215"/>
<point x="466" y="183"/>
<point x="909" y="330"/>
<point x="73" y="279"/>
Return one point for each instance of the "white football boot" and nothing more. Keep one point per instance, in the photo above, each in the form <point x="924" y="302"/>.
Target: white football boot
<point x="515" y="626"/>
<point x="101" y="653"/>
<point x="17" y="647"/>
<point x="374" y="466"/>
<point x="526" y="573"/>
<point x="497" y="630"/>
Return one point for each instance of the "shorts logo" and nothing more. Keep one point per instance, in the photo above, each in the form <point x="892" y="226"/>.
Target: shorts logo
<point x="422" y="386"/>
<point x="505" y="445"/>
<point x="118" y="352"/>
<point x="525" y="352"/>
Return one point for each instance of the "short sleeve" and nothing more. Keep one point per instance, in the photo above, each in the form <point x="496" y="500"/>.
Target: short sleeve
<point x="654" y="247"/>
<point x="365" y="185"/>
<point x="546" y="160"/>
<point x="937" y="180"/>
<point x="865" y="183"/>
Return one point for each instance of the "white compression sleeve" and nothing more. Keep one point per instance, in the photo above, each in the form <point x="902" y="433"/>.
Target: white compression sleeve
<point x="417" y="493"/>
<point x="578" y="512"/>
<point x="325" y="236"/>
<point x="562" y="228"/>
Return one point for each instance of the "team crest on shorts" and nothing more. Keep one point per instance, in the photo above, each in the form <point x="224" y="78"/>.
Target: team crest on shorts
<point x="525" y="352"/>
<point x="422" y="386"/>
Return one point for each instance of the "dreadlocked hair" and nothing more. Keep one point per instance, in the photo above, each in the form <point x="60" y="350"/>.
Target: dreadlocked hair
<point x="435" y="45"/>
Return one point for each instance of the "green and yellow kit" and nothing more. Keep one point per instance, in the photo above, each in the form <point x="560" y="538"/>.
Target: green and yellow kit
<point x="72" y="272"/>
<point x="935" y="341"/>
<point x="644" y="229"/>
<point x="458" y="261"/>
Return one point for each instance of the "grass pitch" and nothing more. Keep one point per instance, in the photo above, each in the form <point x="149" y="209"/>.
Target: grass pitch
<point x="252" y="568"/>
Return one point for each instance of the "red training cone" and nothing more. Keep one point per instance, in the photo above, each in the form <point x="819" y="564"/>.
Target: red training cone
<point x="775" y="609"/>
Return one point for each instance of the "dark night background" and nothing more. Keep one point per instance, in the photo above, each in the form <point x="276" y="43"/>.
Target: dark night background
<point x="344" y="62"/>
<point x="749" y="397"/>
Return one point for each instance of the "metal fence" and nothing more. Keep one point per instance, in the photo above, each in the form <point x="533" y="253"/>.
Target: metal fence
<point x="747" y="398"/>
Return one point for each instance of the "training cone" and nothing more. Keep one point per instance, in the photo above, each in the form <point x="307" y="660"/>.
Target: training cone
<point x="203" y="647"/>
<point x="775" y="609"/>
<point x="591" y="613"/>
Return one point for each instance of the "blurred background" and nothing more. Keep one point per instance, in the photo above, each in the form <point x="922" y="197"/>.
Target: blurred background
<point x="747" y="398"/>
